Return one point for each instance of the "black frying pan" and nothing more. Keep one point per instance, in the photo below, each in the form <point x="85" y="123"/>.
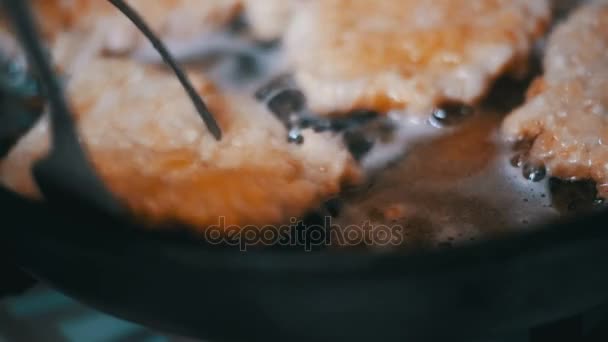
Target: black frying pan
<point x="174" y="282"/>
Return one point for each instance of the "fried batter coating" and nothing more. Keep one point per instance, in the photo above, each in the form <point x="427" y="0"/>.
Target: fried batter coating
<point x="566" y="114"/>
<point x="269" y="18"/>
<point x="170" y="19"/>
<point x="152" y="150"/>
<point x="410" y="54"/>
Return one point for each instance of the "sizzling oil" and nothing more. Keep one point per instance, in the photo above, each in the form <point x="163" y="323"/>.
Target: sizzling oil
<point x="454" y="184"/>
<point x="450" y="185"/>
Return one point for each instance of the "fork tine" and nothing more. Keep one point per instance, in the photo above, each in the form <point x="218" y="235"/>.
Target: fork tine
<point x="200" y="106"/>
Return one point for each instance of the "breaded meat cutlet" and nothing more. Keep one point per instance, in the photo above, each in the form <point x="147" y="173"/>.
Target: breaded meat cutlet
<point x="152" y="150"/>
<point x="269" y="19"/>
<point x="410" y="54"/>
<point x="170" y="19"/>
<point x="566" y="114"/>
<point x="55" y="16"/>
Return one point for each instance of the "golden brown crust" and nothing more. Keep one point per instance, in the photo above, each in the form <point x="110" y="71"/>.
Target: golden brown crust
<point x="170" y="19"/>
<point x="566" y="114"/>
<point x="268" y="19"/>
<point x="241" y="196"/>
<point x="537" y="87"/>
<point x="55" y="16"/>
<point x="153" y="151"/>
<point x="393" y="54"/>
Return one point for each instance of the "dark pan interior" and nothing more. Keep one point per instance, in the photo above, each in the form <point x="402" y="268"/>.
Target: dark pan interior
<point x="174" y="283"/>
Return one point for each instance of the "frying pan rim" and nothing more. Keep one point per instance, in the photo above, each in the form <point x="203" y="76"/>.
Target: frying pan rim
<point x="538" y="239"/>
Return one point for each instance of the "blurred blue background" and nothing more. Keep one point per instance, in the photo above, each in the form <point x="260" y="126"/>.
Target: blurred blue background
<point x="42" y="314"/>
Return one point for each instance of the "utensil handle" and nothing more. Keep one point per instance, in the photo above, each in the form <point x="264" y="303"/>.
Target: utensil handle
<point x="65" y="175"/>
<point x="20" y="103"/>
